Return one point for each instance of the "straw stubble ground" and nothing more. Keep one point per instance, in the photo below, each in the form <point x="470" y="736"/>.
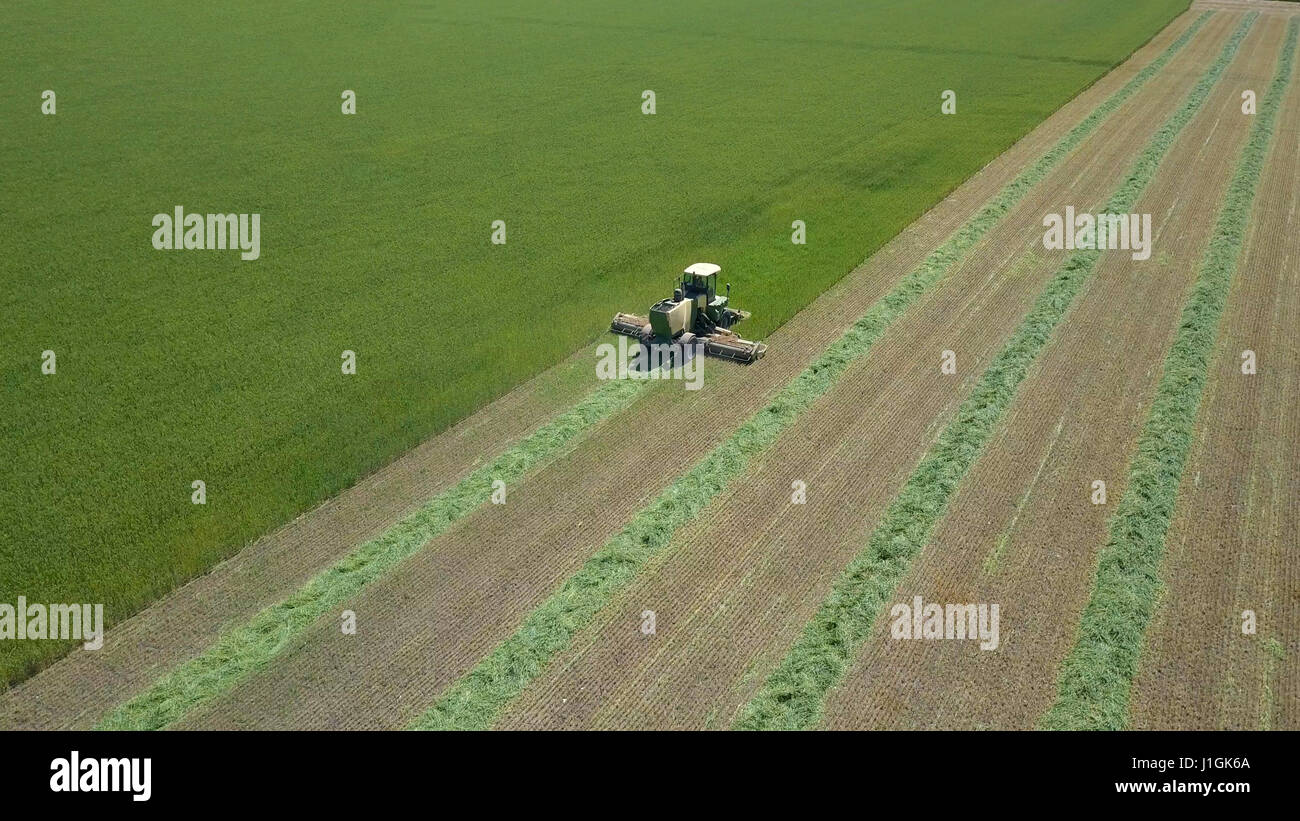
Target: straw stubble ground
<point x="1238" y="509"/>
<point x="1023" y="532"/>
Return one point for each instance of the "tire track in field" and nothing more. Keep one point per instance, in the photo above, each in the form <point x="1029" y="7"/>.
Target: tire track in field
<point x="743" y="573"/>
<point x="1230" y="546"/>
<point x="853" y="297"/>
<point x="1076" y="418"/>
<point x="1095" y="683"/>
<point x="793" y="695"/>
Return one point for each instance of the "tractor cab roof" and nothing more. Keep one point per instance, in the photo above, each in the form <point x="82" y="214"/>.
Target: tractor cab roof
<point x="702" y="269"/>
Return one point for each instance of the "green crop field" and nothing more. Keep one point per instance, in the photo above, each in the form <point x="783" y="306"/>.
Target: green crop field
<point x="375" y="228"/>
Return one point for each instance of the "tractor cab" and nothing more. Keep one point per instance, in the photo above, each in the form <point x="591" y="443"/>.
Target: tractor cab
<point x="700" y="285"/>
<point x="700" y="279"/>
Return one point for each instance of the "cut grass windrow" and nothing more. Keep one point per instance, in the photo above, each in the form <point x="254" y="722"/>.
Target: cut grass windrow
<point x="793" y="696"/>
<point x="476" y="700"/>
<point x="1097" y="677"/>
<point x="237" y="653"/>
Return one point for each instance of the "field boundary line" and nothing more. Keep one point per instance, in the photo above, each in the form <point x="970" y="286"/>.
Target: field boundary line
<point x="240" y="651"/>
<point x="793" y="697"/>
<point x="476" y="700"/>
<point x="1095" y="681"/>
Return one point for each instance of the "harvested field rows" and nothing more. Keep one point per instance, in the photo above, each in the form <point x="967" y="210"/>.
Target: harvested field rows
<point x="793" y="695"/>
<point x="1022" y="531"/>
<point x="1096" y="678"/>
<point x="1285" y="8"/>
<point x="1231" y="544"/>
<point x="713" y="594"/>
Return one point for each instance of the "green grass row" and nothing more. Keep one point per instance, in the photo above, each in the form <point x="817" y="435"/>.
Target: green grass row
<point x="794" y="694"/>
<point x="183" y="365"/>
<point x="1096" y="678"/>
<point x="477" y="699"/>
<point x="245" y="649"/>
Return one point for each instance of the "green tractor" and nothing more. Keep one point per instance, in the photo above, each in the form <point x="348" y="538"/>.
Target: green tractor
<point x="693" y="315"/>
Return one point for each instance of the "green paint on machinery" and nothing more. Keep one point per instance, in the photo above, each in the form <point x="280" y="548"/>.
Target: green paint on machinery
<point x="694" y="315"/>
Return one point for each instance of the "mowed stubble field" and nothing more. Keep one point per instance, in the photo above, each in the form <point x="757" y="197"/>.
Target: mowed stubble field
<point x="182" y="365"/>
<point x="528" y="614"/>
<point x="1023" y="531"/>
<point x="1233" y="547"/>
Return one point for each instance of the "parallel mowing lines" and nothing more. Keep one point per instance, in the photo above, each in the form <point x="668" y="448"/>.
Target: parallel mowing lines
<point x="476" y="700"/>
<point x="249" y="647"/>
<point x="793" y="696"/>
<point x="1097" y="676"/>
